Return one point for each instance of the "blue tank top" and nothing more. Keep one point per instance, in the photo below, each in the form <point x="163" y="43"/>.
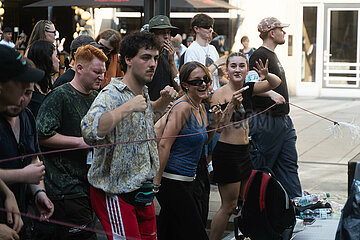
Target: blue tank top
<point x="186" y="151"/>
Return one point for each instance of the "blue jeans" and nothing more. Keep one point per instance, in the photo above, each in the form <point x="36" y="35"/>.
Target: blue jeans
<point x="274" y="140"/>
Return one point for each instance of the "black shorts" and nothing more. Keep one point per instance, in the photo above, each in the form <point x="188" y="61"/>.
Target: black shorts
<point x="231" y="162"/>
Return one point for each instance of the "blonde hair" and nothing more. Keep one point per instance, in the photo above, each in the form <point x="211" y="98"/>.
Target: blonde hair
<point x="38" y="32"/>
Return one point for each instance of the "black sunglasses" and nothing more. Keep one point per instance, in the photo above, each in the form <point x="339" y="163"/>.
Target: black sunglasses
<point x="105" y="49"/>
<point x="53" y="32"/>
<point x="207" y="26"/>
<point x="198" y="81"/>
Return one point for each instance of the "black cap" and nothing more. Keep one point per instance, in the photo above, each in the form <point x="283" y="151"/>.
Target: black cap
<point x="14" y="66"/>
<point x="7" y="30"/>
<point x="82" y="40"/>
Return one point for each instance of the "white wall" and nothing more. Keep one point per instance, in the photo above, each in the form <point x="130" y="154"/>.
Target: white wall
<point x="103" y="19"/>
<point x="286" y="11"/>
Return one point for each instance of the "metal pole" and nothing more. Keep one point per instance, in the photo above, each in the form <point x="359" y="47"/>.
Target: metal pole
<point x="163" y="7"/>
<point x="149" y="10"/>
<point x="50" y="13"/>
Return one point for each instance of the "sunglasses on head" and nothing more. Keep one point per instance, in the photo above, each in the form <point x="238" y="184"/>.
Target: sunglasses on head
<point x="53" y="32"/>
<point x="105" y="49"/>
<point x="207" y="26"/>
<point x="199" y="81"/>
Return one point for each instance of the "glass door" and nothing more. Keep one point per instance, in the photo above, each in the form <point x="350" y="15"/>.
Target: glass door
<point x="341" y="54"/>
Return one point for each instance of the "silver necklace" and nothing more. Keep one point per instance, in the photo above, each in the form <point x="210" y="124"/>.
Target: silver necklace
<point x="191" y="103"/>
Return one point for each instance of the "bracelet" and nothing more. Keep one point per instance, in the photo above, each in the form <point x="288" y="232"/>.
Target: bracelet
<point x="156" y="188"/>
<point x="38" y="191"/>
<point x="216" y="65"/>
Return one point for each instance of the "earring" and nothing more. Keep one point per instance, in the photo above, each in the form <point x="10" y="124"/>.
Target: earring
<point x="186" y="89"/>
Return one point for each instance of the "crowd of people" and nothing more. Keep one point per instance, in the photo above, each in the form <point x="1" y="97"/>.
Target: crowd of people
<point x="108" y="127"/>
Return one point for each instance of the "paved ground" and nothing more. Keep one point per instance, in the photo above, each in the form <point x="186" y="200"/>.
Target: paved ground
<point x="323" y="156"/>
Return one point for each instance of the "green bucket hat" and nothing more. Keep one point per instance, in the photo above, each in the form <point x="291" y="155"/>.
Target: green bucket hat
<point x="160" y="22"/>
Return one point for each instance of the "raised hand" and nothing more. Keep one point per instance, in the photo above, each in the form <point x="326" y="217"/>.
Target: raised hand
<point x="169" y="47"/>
<point x="168" y="93"/>
<point x="237" y="97"/>
<point x="138" y="103"/>
<point x="262" y="70"/>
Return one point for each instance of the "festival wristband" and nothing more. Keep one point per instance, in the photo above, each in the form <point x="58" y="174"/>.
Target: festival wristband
<point x="38" y="191"/>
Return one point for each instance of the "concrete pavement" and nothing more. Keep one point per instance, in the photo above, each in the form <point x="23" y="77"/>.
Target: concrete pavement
<point x="323" y="156"/>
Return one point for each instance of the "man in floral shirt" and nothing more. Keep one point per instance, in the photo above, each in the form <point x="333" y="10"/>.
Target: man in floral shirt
<point x="121" y="174"/>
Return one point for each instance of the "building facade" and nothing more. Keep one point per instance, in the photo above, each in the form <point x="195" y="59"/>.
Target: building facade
<point x="321" y="55"/>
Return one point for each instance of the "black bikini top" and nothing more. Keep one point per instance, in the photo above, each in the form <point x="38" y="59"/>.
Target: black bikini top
<point x="238" y="114"/>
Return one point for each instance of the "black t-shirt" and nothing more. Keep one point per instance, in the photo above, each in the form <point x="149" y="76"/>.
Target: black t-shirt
<point x="28" y="143"/>
<point x="61" y="112"/>
<point x="261" y="103"/>
<point x="162" y="77"/>
<point x="64" y="78"/>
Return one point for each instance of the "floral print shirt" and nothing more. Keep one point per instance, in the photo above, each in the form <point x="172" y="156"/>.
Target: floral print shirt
<point x="121" y="168"/>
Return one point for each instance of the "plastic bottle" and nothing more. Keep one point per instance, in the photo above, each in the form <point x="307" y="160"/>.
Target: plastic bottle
<point x="308" y="199"/>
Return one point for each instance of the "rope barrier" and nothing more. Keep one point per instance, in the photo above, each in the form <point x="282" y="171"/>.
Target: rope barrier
<point x="141" y="140"/>
<point x="134" y="141"/>
<point x="328" y="119"/>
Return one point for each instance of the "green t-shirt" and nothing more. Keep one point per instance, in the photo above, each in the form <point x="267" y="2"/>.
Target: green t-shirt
<point x="61" y="112"/>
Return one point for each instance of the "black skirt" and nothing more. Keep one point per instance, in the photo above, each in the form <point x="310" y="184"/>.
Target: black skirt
<point x="231" y="162"/>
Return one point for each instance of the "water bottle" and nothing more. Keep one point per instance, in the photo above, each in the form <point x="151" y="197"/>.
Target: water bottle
<point x="308" y="199"/>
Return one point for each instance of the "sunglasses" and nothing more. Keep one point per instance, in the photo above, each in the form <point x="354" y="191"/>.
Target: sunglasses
<point x="198" y="81"/>
<point x="207" y="26"/>
<point x="53" y="32"/>
<point x="105" y="49"/>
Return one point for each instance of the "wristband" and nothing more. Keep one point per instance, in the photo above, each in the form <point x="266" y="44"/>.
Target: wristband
<point x="38" y="191"/>
<point x="216" y="65"/>
<point x="156" y="188"/>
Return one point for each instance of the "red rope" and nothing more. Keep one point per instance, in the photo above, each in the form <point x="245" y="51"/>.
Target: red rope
<point x="328" y="119"/>
<point x="135" y="141"/>
<point x="68" y="224"/>
<point x="142" y="140"/>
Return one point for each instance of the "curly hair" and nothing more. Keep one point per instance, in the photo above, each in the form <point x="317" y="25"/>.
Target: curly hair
<point x="40" y="52"/>
<point x="131" y="44"/>
<point x="38" y="32"/>
<point x="113" y="37"/>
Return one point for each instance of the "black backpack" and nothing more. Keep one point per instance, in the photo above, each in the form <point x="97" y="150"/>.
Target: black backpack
<point x="267" y="212"/>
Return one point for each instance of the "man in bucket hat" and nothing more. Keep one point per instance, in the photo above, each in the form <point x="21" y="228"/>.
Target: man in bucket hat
<point x="166" y="69"/>
<point x="15" y="76"/>
<point x="273" y="132"/>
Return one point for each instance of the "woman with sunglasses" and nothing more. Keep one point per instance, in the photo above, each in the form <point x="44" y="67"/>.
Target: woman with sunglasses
<point x="43" y="30"/>
<point x="109" y="40"/>
<point x="179" y="157"/>
<point x="231" y="159"/>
